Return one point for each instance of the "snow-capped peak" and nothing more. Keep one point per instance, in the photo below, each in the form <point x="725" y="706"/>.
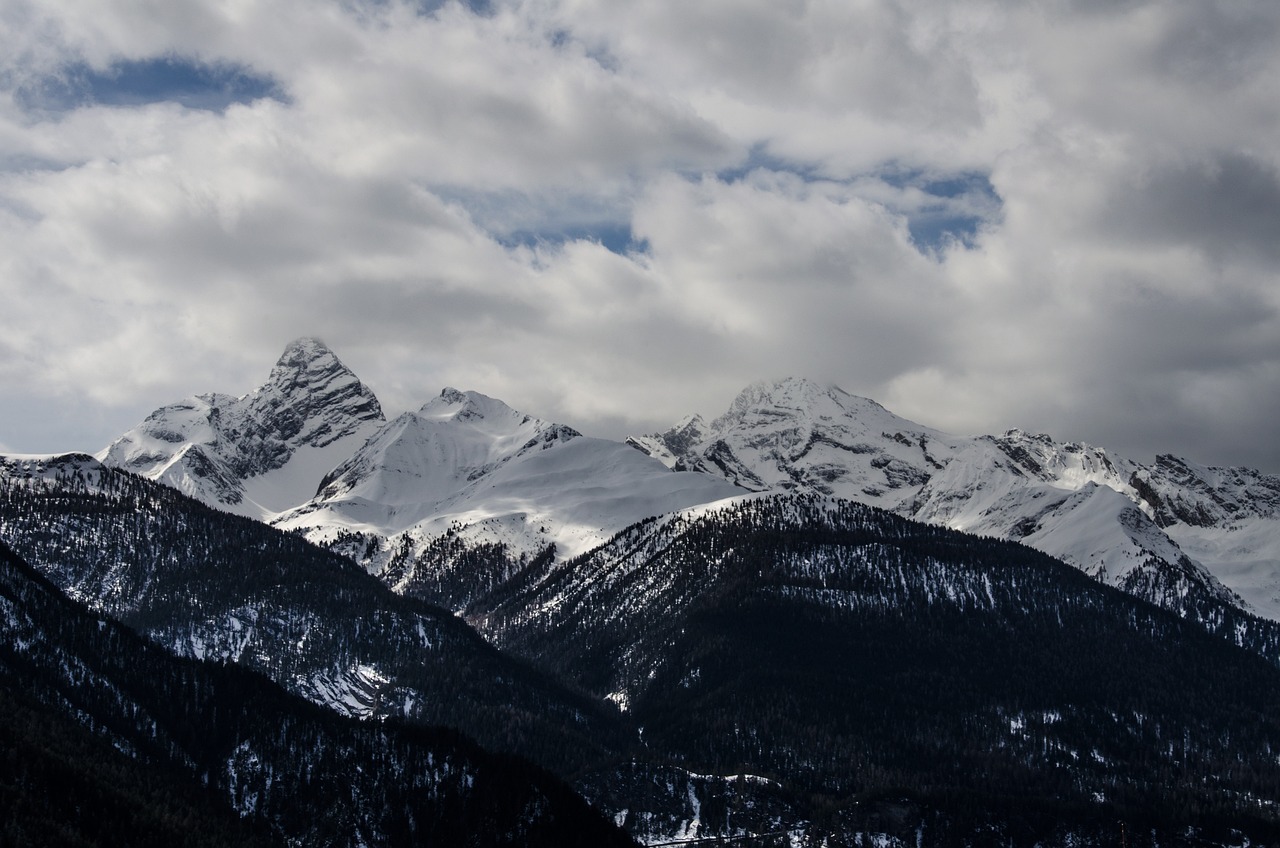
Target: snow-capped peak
<point x="449" y="398"/>
<point x="310" y="397"/>
<point x="477" y="410"/>
<point x="263" y="451"/>
<point x="804" y="405"/>
<point x="799" y="433"/>
<point x="422" y="459"/>
<point x="794" y="395"/>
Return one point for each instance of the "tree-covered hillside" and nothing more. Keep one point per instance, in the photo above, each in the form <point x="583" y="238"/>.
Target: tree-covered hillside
<point x="208" y="584"/>
<point x="847" y="653"/>
<point x="110" y="740"/>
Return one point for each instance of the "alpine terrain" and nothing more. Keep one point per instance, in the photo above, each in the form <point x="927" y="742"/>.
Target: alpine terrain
<point x="1179" y="534"/>
<point x="807" y="622"/>
<point x="262" y="452"/>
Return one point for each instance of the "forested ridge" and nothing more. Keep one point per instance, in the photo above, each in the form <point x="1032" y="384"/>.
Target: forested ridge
<point x="87" y="692"/>
<point x="205" y="583"/>
<point x="794" y="666"/>
<point x="847" y="653"/>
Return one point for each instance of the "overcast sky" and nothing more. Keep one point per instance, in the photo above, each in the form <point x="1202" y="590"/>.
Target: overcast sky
<point x="1062" y="216"/>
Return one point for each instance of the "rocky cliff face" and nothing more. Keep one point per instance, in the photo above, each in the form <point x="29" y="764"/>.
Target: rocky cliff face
<point x="310" y="413"/>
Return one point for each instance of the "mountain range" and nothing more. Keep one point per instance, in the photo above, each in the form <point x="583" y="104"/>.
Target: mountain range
<point x="782" y="669"/>
<point x="1176" y="525"/>
<point x="807" y="620"/>
<point x="310" y="450"/>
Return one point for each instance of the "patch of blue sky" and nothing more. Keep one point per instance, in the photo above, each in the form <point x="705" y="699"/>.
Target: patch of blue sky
<point x="479" y="7"/>
<point x="932" y="232"/>
<point x="941" y="208"/>
<point x="944" y="184"/>
<point x="616" y="238"/>
<point x="137" y="82"/>
<point x="758" y="158"/>
<point x="548" y="219"/>
<point x="26" y="162"/>
<point x="948" y="209"/>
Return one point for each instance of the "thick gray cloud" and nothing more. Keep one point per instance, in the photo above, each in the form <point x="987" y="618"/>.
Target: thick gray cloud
<point x="1227" y="207"/>
<point x="615" y="214"/>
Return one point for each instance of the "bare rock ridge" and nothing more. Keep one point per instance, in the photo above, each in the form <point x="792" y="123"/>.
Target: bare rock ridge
<point x="310" y="398"/>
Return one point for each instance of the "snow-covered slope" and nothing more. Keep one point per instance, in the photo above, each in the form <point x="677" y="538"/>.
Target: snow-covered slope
<point x="310" y="450"/>
<point x="1225" y="518"/>
<point x="797" y="434"/>
<point x="470" y="462"/>
<point x="265" y="451"/>
<point x="1125" y="523"/>
<point x="1072" y="501"/>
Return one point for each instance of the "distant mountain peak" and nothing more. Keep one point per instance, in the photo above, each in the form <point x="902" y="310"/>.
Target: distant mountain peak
<point x="1069" y="499"/>
<point x="789" y="391"/>
<point x="451" y="395"/>
<point x="796" y="398"/>
<point x="311" y="395"/>
<point x="305" y="347"/>
<point x="304" y="363"/>
<point x="455" y="405"/>
<point x="210" y="445"/>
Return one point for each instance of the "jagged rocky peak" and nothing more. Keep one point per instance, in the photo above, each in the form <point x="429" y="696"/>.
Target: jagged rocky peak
<point x="1205" y="496"/>
<point x="210" y="446"/>
<point x="670" y="446"/>
<point x="311" y="398"/>
<point x="1069" y="463"/>
<point x="305" y="351"/>
<point x="689" y="432"/>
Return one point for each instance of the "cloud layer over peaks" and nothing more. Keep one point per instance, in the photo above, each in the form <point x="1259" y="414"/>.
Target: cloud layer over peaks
<point x="613" y="215"/>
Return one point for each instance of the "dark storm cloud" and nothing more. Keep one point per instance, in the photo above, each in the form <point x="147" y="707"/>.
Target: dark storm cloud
<point x="1228" y="206"/>
<point x="1217" y="44"/>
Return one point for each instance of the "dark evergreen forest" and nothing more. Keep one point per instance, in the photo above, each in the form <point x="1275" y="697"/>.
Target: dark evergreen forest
<point x="111" y="740"/>
<point x="792" y="666"/>
<point x="852" y="656"/>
